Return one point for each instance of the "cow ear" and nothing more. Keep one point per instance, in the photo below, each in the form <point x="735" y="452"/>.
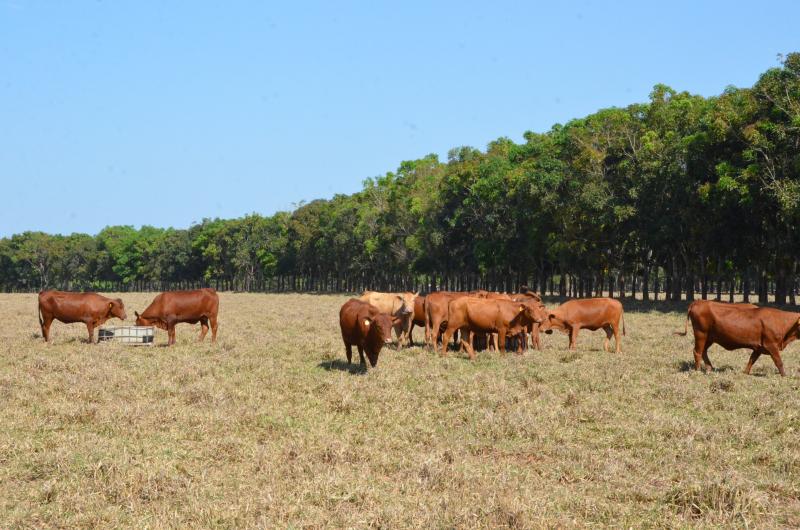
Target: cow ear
<point x="416" y="294"/>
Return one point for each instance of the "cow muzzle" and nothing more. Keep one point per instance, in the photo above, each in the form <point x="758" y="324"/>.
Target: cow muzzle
<point x="387" y="341"/>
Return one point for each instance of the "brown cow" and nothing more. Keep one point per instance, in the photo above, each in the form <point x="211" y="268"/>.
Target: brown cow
<point x="530" y="296"/>
<point x="698" y="303"/>
<point x="90" y="308"/>
<point x="365" y="326"/>
<point x="173" y="307"/>
<point x="734" y="326"/>
<point x="587" y="313"/>
<point x="418" y="319"/>
<point x="399" y="306"/>
<point x="436" y="314"/>
<point x="488" y="316"/>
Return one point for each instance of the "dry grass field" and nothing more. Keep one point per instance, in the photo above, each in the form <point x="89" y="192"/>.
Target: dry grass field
<point x="271" y="428"/>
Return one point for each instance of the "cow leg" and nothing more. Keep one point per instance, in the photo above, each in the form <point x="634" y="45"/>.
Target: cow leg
<point x="427" y="331"/>
<point x="214" y="326"/>
<point x="203" y="328"/>
<point x="445" y="340"/>
<point x="753" y="358"/>
<point x="469" y="348"/>
<point x="536" y="341"/>
<point x="501" y="340"/>
<point x="90" y="329"/>
<point x="699" y="348"/>
<point x="434" y="333"/>
<point x="361" y="354"/>
<point x="617" y="339"/>
<point x="776" y="358"/>
<point x="706" y="360"/>
<point x="170" y="333"/>
<point x="348" y="351"/>
<point x="573" y="337"/>
<point x="607" y="340"/>
<point x="46" y="322"/>
<point x="411" y="334"/>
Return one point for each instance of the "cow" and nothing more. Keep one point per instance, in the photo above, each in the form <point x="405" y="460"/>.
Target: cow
<point x="90" y="308"/>
<point x="734" y="326"/>
<point x="488" y="316"/>
<point x="174" y="307"/>
<point x="697" y="303"/>
<point x="588" y="313"/>
<point x="365" y="326"/>
<point x="436" y="314"/>
<point x="399" y="306"/>
<point x="418" y="318"/>
<point x="530" y="296"/>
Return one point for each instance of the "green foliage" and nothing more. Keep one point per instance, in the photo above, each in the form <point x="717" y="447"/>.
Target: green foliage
<point x="675" y="179"/>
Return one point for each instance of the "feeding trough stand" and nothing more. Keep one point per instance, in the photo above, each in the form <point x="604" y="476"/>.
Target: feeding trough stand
<point x="135" y="335"/>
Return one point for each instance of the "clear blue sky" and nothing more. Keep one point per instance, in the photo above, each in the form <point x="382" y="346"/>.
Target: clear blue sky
<point x="163" y="113"/>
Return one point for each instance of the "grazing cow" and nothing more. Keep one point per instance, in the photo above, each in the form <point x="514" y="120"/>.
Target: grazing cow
<point x="399" y="306"/>
<point x="419" y="317"/>
<point x="488" y="316"/>
<point x="734" y="326"/>
<point x="588" y="313"/>
<point x="365" y="326"/>
<point x="90" y="308"/>
<point x="173" y="307"/>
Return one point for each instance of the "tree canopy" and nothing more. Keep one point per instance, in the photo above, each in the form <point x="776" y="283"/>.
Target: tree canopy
<point x="664" y="195"/>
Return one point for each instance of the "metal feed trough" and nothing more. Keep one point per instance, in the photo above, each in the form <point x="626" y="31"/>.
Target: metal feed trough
<point x="136" y="335"/>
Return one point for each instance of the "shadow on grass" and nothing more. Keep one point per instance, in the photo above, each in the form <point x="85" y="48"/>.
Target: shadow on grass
<point x="688" y="366"/>
<point x="343" y="366"/>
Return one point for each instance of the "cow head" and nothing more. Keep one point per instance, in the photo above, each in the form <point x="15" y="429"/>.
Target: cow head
<point x="378" y="330"/>
<point x="553" y="321"/>
<point x="533" y="311"/>
<point x="117" y="309"/>
<point x="404" y="303"/>
<point x="147" y="321"/>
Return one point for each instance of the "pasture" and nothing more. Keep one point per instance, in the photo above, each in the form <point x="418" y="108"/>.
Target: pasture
<point x="271" y="428"/>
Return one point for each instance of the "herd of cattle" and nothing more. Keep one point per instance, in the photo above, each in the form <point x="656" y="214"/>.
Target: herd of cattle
<point x="467" y="318"/>
<point x="367" y="323"/>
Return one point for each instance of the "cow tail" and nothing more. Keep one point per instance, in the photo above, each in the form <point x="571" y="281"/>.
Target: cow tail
<point x="623" y="323"/>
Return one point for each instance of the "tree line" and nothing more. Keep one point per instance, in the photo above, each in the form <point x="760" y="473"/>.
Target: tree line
<point x="682" y="196"/>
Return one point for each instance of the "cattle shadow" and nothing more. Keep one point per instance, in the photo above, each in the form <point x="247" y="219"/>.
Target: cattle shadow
<point x="688" y="366"/>
<point x="342" y="366"/>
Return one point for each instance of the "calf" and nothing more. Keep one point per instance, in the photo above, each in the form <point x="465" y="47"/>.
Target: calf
<point x="488" y="316"/>
<point x="733" y="326"/>
<point x="365" y="326"/>
<point x="173" y="307"/>
<point x="588" y="313"/>
<point x="90" y="308"/>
